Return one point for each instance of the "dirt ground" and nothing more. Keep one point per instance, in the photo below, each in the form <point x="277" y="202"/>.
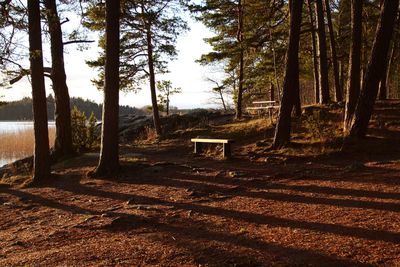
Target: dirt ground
<point x="169" y="207"/>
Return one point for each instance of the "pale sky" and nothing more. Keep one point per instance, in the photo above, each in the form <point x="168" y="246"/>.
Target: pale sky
<point x="184" y="73"/>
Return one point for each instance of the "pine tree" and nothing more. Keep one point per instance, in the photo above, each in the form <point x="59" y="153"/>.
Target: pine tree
<point x="41" y="168"/>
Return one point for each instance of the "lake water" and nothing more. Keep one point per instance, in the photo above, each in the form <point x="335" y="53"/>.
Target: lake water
<point x="11" y="127"/>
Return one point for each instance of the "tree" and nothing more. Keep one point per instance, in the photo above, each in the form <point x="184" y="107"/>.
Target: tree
<point x="375" y="69"/>
<point x="323" y="59"/>
<point x="165" y="91"/>
<point x="63" y="140"/>
<point x="332" y="42"/>
<point x="240" y="40"/>
<point x="291" y="81"/>
<point x="314" y="51"/>
<point x="149" y="29"/>
<point x="354" y="84"/>
<point x="218" y="90"/>
<point x="109" y="152"/>
<point x="41" y="169"/>
<point x="384" y="84"/>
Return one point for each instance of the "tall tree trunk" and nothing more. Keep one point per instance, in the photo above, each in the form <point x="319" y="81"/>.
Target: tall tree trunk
<point x="167" y="104"/>
<point x="156" y="116"/>
<point x="323" y="59"/>
<point x="314" y="50"/>
<point x="375" y="68"/>
<point x="384" y="84"/>
<point x="221" y="96"/>
<point x="109" y="152"/>
<point x="272" y="91"/>
<point x="41" y="167"/>
<point x="63" y="140"/>
<point x="354" y="80"/>
<point x="241" y="61"/>
<point x="291" y="81"/>
<point x="338" y="88"/>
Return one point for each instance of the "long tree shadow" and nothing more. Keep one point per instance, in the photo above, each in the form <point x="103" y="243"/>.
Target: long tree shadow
<point x="261" y="183"/>
<point x="193" y="236"/>
<point x="347" y="231"/>
<point x="191" y="233"/>
<point x="169" y="181"/>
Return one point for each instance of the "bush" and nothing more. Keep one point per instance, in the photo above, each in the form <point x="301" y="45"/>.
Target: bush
<point x="83" y="129"/>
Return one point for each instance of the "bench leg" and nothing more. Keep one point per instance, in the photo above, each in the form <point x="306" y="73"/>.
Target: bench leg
<point x="227" y="150"/>
<point x="197" y="148"/>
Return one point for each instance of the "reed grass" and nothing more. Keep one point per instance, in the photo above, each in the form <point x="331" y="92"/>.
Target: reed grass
<point x="19" y="144"/>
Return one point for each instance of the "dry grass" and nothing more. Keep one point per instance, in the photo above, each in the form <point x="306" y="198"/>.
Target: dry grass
<point x="20" y="144"/>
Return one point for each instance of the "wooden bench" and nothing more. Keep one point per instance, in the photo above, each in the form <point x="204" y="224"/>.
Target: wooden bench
<point x="226" y="143"/>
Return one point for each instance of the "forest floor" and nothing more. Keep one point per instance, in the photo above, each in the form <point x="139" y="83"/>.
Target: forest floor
<point x="314" y="203"/>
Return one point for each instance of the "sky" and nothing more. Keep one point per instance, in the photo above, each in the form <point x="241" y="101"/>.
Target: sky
<point x="184" y="73"/>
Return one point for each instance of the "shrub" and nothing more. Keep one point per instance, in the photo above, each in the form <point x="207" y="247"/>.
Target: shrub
<point x="83" y="129"/>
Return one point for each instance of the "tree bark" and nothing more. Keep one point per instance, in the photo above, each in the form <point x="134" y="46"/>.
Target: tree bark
<point x="241" y="61"/>
<point x="338" y="88"/>
<point x="272" y="91"/>
<point x="63" y="141"/>
<point x="375" y="68"/>
<point x="109" y="152"/>
<point x="41" y="167"/>
<point x="384" y="84"/>
<point x="156" y="116"/>
<point x="314" y="51"/>
<point x="291" y="81"/>
<point x="354" y="80"/>
<point x="323" y="58"/>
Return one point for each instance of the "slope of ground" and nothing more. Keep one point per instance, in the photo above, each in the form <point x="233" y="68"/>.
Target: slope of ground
<point x="311" y="204"/>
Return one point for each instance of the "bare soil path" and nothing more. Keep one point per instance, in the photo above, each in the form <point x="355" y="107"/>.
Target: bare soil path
<point x="169" y="207"/>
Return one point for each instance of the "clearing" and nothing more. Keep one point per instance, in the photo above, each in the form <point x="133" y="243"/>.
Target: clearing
<point x="309" y="204"/>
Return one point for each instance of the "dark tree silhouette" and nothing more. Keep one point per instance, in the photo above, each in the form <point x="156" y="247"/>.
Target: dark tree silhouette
<point x="354" y="81"/>
<point x="41" y="169"/>
<point x="63" y="139"/>
<point x="375" y="69"/>
<point x="109" y="161"/>
<point x="291" y="81"/>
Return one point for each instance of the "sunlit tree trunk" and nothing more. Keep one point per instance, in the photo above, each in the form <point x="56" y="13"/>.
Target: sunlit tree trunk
<point x="63" y="140"/>
<point x="354" y="80"/>
<point x="241" y="61"/>
<point x="314" y="50"/>
<point x="291" y="80"/>
<point x="156" y="115"/>
<point x="332" y="39"/>
<point x="41" y="169"/>
<point x="109" y="161"/>
<point x="375" y="68"/>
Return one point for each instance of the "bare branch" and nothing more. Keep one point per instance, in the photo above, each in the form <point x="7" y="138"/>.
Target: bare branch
<point x="78" y="42"/>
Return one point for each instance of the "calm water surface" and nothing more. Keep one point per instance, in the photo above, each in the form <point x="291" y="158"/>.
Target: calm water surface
<point x="10" y="127"/>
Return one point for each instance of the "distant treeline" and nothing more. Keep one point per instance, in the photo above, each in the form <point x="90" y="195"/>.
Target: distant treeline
<point x="22" y="109"/>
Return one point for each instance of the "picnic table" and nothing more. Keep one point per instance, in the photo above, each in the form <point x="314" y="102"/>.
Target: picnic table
<point x="264" y="107"/>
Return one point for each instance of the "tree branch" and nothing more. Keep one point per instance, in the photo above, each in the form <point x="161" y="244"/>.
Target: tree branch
<point x="78" y="42"/>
